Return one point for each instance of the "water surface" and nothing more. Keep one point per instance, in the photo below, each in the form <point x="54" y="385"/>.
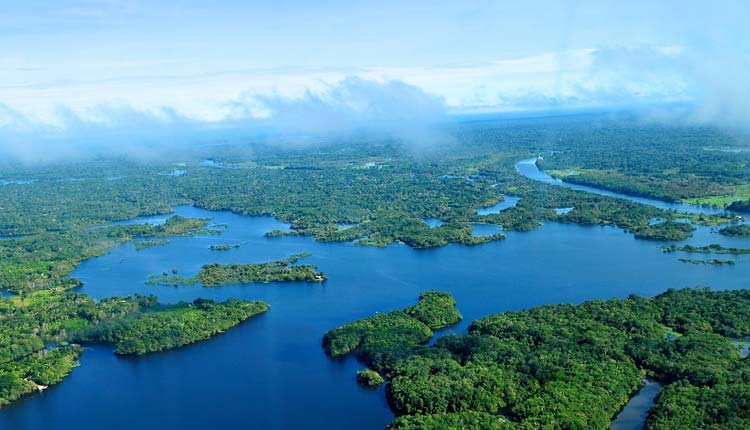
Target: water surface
<point x="633" y="415"/>
<point x="271" y="373"/>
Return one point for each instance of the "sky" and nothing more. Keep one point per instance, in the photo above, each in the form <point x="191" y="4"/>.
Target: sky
<point x="80" y="65"/>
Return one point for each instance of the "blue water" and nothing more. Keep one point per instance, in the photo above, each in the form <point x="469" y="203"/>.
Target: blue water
<point x="481" y="230"/>
<point x="507" y="203"/>
<point x="270" y="373"/>
<point x="433" y="222"/>
<point x="529" y="169"/>
<point x="633" y="415"/>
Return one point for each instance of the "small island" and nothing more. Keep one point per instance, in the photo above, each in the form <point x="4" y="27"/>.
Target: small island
<point x="223" y="247"/>
<point x="714" y="248"/>
<point x="710" y="262"/>
<point x="215" y="274"/>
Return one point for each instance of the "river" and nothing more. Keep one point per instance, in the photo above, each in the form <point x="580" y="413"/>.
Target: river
<point x="529" y="169"/>
<point x="271" y="373"/>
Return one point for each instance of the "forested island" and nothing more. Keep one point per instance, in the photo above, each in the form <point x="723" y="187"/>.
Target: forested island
<point x="563" y="366"/>
<point x="713" y="248"/>
<point x="36" y="330"/>
<point x="223" y="247"/>
<point x="710" y="261"/>
<point x="214" y="275"/>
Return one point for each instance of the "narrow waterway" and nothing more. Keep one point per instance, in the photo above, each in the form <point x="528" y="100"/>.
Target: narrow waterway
<point x="529" y="169"/>
<point x="633" y="415"/>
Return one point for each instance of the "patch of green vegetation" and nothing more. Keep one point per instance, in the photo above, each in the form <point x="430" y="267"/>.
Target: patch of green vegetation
<point x="665" y="231"/>
<point x="369" y="378"/>
<point x="684" y="406"/>
<point x="166" y="327"/>
<point x="42" y="261"/>
<point x="214" y="275"/>
<point x="137" y="324"/>
<point x="741" y="193"/>
<point x="436" y="309"/>
<point x="560" y="174"/>
<point x="469" y="420"/>
<point x="222" y="247"/>
<point x="709" y="262"/>
<point x="561" y="366"/>
<point x="143" y="244"/>
<point x="714" y="248"/>
<point x="36" y="372"/>
<point x="663" y="162"/>
<point x="740" y="206"/>
<point x="741" y="230"/>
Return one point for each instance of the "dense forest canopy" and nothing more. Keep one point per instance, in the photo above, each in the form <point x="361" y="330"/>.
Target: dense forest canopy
<point x="562" y="366"/>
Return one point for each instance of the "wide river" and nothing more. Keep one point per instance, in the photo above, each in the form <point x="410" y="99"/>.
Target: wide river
<point x="270" y="373"/>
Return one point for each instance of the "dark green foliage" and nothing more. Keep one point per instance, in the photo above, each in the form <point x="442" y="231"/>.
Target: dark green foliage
<point x="43" y="260"/>
<point x="436" y="309"/>
<point x="741" y="230"/>
<point x="378" y="341"/>
<point x="214" y="275"/>
<point x="714" y="248"/>
<point x="740" y="206"/>
<point x="134" y="324"/>
<point x="665" y="231"/>
<point x="710" y="262"/>
<point x="456" y="421"/>
<point x="171" y="326"/>
<point x="144" y="244"/>
<point x="662" y="162"/>
<point x="566" y="366"/>
<point x="223" y="247"/>
<point x="383" y="339"/>
<point x="702" y="310"/>
<point x="683" y="406"/>
<point x="369" y="378"/>
<point x="36" y="372"/>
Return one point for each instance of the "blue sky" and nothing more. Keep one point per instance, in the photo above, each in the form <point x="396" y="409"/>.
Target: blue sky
<point x="75" y="63"/>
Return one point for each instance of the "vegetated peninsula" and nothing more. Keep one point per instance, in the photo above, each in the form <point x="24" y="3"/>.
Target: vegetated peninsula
<point x="215" y="274"/>
<point x="741" y="230"/>
<point x="563" y="366"/>
<point x="155" y="330"/>
<point x="37" y="327"/>
<point x="43" y="260"/>
<point x="665" y="231"/>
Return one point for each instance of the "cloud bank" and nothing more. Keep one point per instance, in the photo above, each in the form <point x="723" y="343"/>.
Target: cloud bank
<point x="148" y="114"/>
<point x="391" y="108"/>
